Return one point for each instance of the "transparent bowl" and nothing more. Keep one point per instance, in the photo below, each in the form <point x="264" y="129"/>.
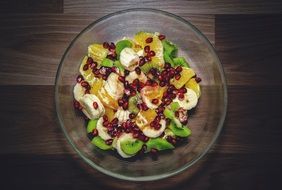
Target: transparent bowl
<point x="206" y="121"/>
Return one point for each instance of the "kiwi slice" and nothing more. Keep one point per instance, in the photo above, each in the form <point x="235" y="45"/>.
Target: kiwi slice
<point x="146" y="67"/>
<point x="181" y="132"/>
<point x="174" y="106"/>
<point x="100" y="143"/>
<point x="91" y="125"/>
<point x="119" y="65"/>
<point x="132" y="104"/>
<point x="107" y="62"/>
<point x="167" y="59"/>
<point x="159" y="144"/>
<point x="122" y="44"/>
<point x="170" y="114"/>
<point x="169" y="48"/>
<point x="180" y="61"/>
<point x="131" y="147"/>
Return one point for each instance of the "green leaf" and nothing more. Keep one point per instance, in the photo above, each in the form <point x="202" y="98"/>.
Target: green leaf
<point x="167" y="59"/>
<point x="119" y="65"/>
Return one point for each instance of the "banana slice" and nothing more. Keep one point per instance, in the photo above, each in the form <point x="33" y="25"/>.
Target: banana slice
<point x="114" y="87"/>
<point x="78" y="92"/>
<point x="87" y="103"/>
<point x="150" y="132"/>
<point x="122" y="138"/>
<point x="133" y="75"/>
<point x="102" y="131"/>
<point x="189" y="101"/>
<point x="148" y="102"/>
<point x="129" y="58"/>
<point x="122" y="115"/>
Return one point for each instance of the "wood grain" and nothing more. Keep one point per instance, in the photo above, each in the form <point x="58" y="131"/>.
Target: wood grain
<point x="38" y="141"/>
<point x="177" y="7"/>
<point x="249" y="47"/>
<point x="32" y="45"/>
<point x="31" y="6"/>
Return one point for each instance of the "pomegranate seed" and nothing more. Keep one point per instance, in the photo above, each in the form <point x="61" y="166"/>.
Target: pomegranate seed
<point x="157" y="126"/>
<point x="177" y="77"/>
<point x="182" y="90"/>
<point x="109" y="141"/>
<point x="147" y="49"/>
<point x="121" y="78"/>
<point x="125" y="105"/>
<point x="132" y="93"/>
<point x="76" y="104"/>
<point x="154" y="151"/>
<point x="161" y="37"/>
<point x="111" y="57"/>
<point x="181" y="96"/>
<point x="105" y="118"/>
<point x="95" y="105"/>
<point x="132" y="115"/>
<point x="184" y="122"/>
<point x="167" y="101"/>
<point x="162" y="83"/>
<point x="127" y="92"/>
<point x="167" y="120"/>
<point x="79" y="78"/>
<point x="89" y="60"/>
<point x="120" y="102"/>
<point x="178" y="69"/>
<point x="126" y="72"/>
<point x="144" y="106"/>
<point x="146" y="139"/>
<point x="85" y="67"/>
<point x="95" y="132"/>
<point x="93" y="65"/>
<point x="135" y="135"/>
<point x="112" y="46"/>
<point x="142" y="62"/>
<point x="149" y="40"/>
<point x="167" y="65"/>
<point x="106" y="45"/>
<point x="115" y="120"/>
<point x="97" y="72"/>
<point x="155" y="101"/>
<point x="151" y="53"/>
<point x="138" y="70"/>
<point x="198" y="79"/>
<point x="105" y="123"/>
<point x="176" y="114"/>
<point x="154" y="84"/>
<point x="104" y="77"/>
<point x="85" y="85"/>
<point x="148" y="58"/>
<point x="171" y="73"/>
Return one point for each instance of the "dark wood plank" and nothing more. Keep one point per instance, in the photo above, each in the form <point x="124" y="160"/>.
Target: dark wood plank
<point x="33" y="148"/>
<point x="249" y="47"/>
<point x="31" y="6"/>
<point x="177" y="7"/>
<point x="32" y="45"/>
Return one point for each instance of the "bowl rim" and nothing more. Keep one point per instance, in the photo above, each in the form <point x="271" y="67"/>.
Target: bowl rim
<point x="166" y="174"/>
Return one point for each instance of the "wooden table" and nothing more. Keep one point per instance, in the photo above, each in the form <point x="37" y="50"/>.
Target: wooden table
<point x="33" y="150"/>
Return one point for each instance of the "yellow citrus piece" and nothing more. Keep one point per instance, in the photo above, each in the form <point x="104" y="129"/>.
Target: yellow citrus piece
<point x="144" y="118"/>
<point x="186" y="75"/>
<point x="156" y="46"/>
<point x="97" y="52"/>
<point x="96" y="86"/>
<point x="192" y="84"/>
<point x="87" y="75"/>
<point x="110" y="113"/>
<point x="155" y="92"/>
<point x="106" y="99"/>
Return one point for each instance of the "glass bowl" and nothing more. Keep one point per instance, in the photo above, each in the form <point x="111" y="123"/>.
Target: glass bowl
<point x="206" y="121"/>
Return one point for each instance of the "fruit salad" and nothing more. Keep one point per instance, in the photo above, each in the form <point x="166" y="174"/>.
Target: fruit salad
<point x="136" y="94"/>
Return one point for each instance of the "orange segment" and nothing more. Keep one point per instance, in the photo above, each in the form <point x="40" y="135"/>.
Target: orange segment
<point x="87" y="74"/>
<point x="192" y="84"/>
<point x="153" y="92"/>
<point x="156" y="46"/>
<point x="186" y="74"/>
<point x="110" y="113"/>
<point x="144" y="118"/>
<point x="106" y="99"/>
<point x="97" y="85"/>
